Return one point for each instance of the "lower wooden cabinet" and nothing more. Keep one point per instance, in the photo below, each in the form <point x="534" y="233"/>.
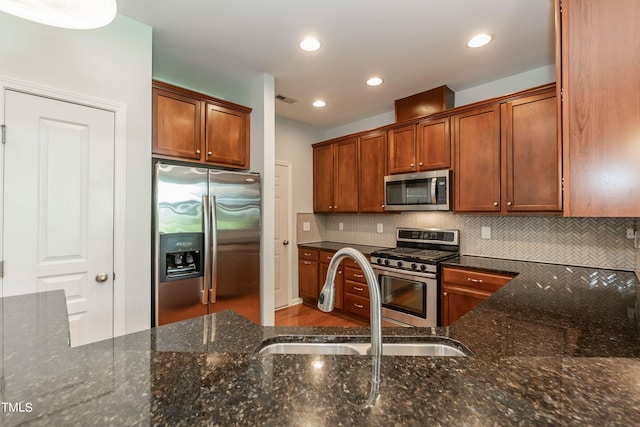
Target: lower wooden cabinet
<point x="325" y="259"/>
<point x="356" y="291"/>
<point x="308" y="274"/>
<point x="462" y="290"/>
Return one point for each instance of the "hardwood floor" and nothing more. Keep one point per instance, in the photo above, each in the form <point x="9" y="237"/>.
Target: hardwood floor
<point x="304" y="315"/>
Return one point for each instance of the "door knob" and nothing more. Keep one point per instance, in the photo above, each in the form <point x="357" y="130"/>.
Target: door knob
<point x="101" y="277"/>
<point x="285" y="242"/>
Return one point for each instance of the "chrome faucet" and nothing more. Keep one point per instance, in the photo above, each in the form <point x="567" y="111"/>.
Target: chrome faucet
<point x="327" y="298"/>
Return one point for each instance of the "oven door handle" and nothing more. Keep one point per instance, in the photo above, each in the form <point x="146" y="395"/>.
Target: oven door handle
<point x="410" y="275"/>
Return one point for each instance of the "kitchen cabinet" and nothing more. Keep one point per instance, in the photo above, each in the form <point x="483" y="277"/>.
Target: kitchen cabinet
<point x="356" y="291"/>
<point x="476" y="140"/>
<point x="401" y="152"/>
<point x="335" y="176"/>
<point x="197" y="128"/>
<point x="308" y="275"/>
<point x="508" y="156"/>
<point x="373" y="168"/>
<point x="325" y="259"/>
<point x="600" y="64"/>
<point x="462" y="290"/>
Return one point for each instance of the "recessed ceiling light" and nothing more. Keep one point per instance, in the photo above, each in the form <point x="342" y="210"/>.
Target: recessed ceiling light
<point x="319" y="103"/>
<point x="479" y="40"/>
<point x="375" y="81"/>
<point x="310" y="44"/>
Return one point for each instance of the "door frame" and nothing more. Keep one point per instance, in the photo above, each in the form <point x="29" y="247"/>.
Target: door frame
<point x="119" y="180"/>
<point x="289" y="178"/>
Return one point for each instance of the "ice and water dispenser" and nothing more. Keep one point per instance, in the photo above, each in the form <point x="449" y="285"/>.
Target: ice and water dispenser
<point x="181" y="256"/>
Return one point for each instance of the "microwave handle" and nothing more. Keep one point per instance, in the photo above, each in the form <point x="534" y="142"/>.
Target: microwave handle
<point x="434" y="197"/>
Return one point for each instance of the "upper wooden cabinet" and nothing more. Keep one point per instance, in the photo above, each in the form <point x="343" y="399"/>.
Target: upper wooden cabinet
<point x="476" y="140"/>
<point x="372" y="169"/>
<point x="194" y="127"/>
<point x="433" y="145"/>
<point x="600" y="65"/>
<point x="401" y="152"/>
<point x="508" y="156"/>
<point x="335" y="176"/>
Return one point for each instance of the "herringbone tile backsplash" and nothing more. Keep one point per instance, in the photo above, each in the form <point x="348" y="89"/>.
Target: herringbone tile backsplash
<point x="592" y="242"/>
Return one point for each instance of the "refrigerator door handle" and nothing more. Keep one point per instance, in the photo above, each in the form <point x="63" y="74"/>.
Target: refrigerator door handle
<point x="206" y="226"/>
<point x="213" y="283"/>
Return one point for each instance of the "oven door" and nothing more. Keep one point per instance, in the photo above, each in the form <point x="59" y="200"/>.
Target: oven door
<point x="408" y="298"/>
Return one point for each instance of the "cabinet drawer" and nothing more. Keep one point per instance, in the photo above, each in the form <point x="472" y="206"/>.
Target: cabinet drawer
<point x="308" y="254"/>
<point x="355" y="275"/>
<point x="356" y="289"/>
<point x="474" y="279"/>
<point x="325" y="256"/>
<point x="356" y="305"/>
<point x="349" y="262"/>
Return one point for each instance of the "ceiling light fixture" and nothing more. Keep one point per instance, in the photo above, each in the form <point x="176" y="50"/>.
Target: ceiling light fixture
<point x="479" y="40"/>
<point x="319" y="103"/>
<point x="310" y="44"/>
<point x="72" y="14"/>
<point x="375" y="81"/>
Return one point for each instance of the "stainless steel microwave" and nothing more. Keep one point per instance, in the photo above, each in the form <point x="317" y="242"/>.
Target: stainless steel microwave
<point x="421" y="191"/>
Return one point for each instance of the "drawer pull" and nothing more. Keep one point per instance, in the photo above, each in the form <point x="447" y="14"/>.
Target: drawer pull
<point x="359" y="276"/>
<point x="307" y="254"/>
<point x="329" y="257"/>
<point x="358" y="288"/>
<point x="469" y="279"/>
<point x="358" y="305"/>
<point x="307" y="262"/>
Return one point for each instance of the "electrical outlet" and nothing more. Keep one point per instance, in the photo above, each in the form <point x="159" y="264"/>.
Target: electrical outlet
<point x="380" y="228"/>
<point x="486" y="232"/>
<point x="631" y="233"/>
<point x="306" y="226"/>
<point x="341" y="226"/>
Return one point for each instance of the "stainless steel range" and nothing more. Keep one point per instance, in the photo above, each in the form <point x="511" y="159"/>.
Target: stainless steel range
<point x="409" y="274"/>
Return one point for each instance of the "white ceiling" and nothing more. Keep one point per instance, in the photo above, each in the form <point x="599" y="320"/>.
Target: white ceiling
<point x="415" y="45"/>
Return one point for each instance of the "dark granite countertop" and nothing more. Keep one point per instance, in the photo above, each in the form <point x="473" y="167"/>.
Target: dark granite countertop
<point x="557" y="345"/>
<point x="336" y="246"/>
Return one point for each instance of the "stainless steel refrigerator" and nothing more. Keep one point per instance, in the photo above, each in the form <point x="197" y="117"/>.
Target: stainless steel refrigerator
<point x="206" y="243"/>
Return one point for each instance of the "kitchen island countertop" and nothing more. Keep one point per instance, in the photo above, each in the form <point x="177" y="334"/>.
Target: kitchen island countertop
<point x="558" y="345"/>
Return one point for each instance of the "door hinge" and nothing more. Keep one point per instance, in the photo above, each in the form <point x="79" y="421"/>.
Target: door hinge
<point x="114" y="276"/>
<point x="4" y="133"/>
<point x="1" y="268"/>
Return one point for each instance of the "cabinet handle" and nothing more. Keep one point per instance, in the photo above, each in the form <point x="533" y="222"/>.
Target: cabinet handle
<point x="495" y="203"/>
<point x="329" y="257"/>
<point x="412" y="165"/>
<point x="509" y="203"/>
<point x="307" y="263"/>
<point x="469" y="279"/>
<point x="359" y="276"/>
<point x="358" y="288"/>
<point x="307" y="254"/>
<point x="197" y="151"/>
<point x="209" y="153"/>
<point x="383" y="206"/>
<point x="358" y="305"/>
<point x="330" y="207"/>
<point x="420" y="163"/>
<point x="339" y="272"/>
<point x="445" y="294"/>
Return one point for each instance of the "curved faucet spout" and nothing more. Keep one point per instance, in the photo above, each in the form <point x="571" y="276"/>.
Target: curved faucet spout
<point x="327" y="298"/>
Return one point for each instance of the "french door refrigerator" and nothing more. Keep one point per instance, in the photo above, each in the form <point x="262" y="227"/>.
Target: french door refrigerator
<point x="206" y="243"/>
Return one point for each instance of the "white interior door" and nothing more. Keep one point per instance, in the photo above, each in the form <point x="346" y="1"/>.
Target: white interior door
<point x="58" y="207"/>
<point x="282" y="283"/>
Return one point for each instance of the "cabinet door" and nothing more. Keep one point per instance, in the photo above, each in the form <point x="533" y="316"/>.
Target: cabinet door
<point x="401" y="155"/>
<point x="433" y="145"/>
<point x="177" y="122"/>
<point x="476" y="138"/>
<point x="600" y="110"/>
<point x="227" y="137"/>
<point x="345" y="178"/>
<point x="323" y="179"/>
<point x="373" y="147"/>
<point x="533" y="155"/>
<point x="308" y="279"/>
<point x="459" y="300"/>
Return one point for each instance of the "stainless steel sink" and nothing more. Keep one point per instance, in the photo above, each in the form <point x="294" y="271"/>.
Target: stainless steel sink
<point x="413" y="348"/>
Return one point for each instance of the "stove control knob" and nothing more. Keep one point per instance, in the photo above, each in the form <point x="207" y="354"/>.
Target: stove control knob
<point x="423" y="267"/>
<point x="379" y="260"/>
<point x="399" y="263"/>
<point x="414" y="267"/>
<point x="386" y="262"/>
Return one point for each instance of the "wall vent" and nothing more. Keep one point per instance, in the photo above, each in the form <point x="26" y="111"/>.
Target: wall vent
<point x="286" y="99"/>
